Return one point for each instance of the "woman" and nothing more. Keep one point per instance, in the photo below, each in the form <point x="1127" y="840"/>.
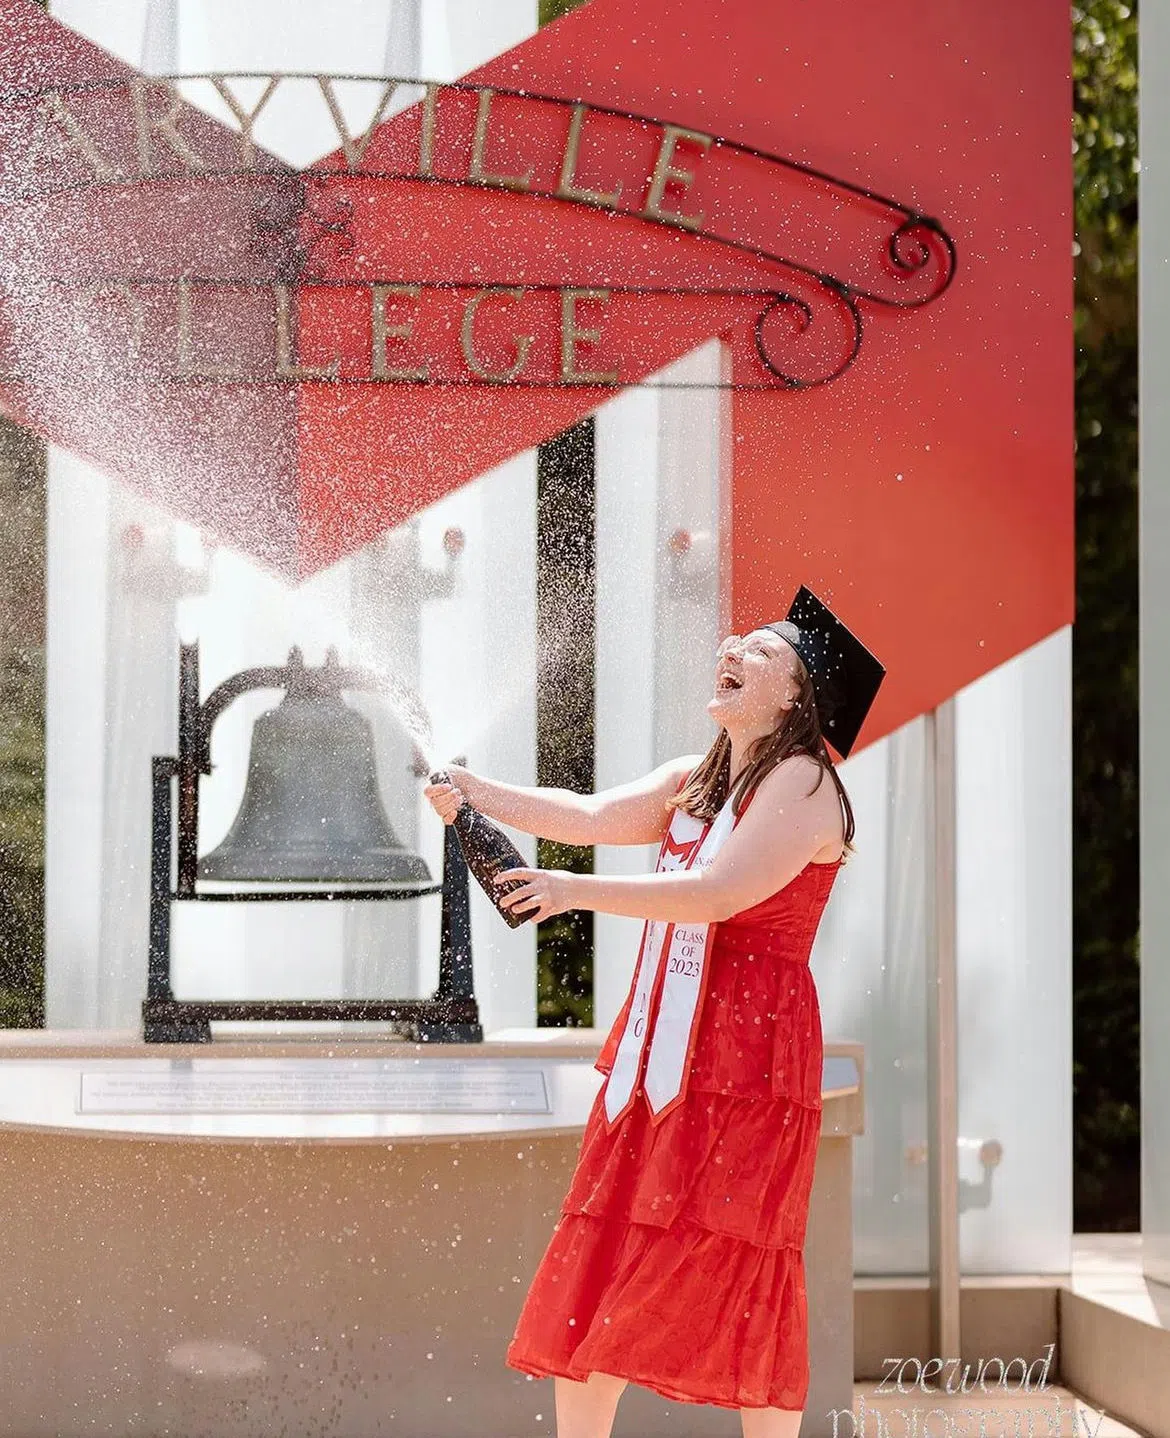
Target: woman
<point x="677" y="1260"/>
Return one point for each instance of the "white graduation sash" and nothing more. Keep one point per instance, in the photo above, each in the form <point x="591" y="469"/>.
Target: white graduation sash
<point x="674" y="956"/>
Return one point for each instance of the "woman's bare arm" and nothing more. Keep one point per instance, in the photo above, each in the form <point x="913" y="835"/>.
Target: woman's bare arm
<point x="784" y="828"/>
<point x="633" y="813"/>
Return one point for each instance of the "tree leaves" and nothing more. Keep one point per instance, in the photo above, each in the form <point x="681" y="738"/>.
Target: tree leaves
<point x="1106" y="1093"/>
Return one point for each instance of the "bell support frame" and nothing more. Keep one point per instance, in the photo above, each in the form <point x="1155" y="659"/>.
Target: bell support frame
<point x="450" y="1015"/>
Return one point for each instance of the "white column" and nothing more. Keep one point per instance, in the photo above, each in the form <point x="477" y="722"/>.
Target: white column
<point x="868" y="962"/>
<point x="661" y="502"/>
<point x="1014" y="763"/>
<point x="478" y="646"/>
<point x="691" y="589"/>
<point x="109" y="694"/>
<point x="381" y="941"/>
<point x="626" y="468"/>
<point x="478" y="680"/>
<point x="1154" y="440"/>
<point x="75" y="737"/>
<point x="144" y="585"/>
<point x="1014" y="947"/>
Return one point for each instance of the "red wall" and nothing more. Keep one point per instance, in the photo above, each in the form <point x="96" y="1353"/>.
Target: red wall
<point x="928" y="493"/>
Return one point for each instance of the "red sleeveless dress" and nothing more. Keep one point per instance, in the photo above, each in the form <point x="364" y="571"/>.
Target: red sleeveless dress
<point x="677" y="1259"/>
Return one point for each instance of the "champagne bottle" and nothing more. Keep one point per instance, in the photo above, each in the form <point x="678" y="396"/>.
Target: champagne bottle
<point x="488" y="852"/>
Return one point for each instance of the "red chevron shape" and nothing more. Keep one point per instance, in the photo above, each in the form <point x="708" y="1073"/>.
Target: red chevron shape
<point x="926" y="493"/>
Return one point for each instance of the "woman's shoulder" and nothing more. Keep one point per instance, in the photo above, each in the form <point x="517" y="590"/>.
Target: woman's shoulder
<point x="793" y="777"/>
<point x="801" y="778"/>
<point x="688" y="763"/>
<point x="682" y="767"/>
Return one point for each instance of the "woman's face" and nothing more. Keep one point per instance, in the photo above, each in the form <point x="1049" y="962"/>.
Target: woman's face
<point x="757" y="679"/>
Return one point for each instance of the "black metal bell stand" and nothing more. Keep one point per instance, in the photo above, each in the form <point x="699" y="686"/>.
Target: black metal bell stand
<point x="450" y="1015"/>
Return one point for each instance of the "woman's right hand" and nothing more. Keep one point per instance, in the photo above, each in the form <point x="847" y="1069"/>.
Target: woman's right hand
<point x="445" y="799"/>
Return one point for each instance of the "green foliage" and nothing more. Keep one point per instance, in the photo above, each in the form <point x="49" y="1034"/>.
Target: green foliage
<point x="564" y="984"/>
<point x="566" y="628"/>
<point x="1105" y="88"/>
<point x="1106" y="1163"/>
<point x="22" y="728"/>
<point x="550" y="10"/>
<point x="22" y="870"/>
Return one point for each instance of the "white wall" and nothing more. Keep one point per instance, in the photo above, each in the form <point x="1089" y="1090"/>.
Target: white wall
<point x="1014" y="794"/>
<point x="1014" y="899"/>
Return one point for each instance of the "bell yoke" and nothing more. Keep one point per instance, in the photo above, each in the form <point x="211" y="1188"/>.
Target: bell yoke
<point x="311" y="826"/>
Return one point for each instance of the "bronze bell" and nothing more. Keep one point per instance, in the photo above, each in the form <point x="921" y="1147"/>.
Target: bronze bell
<point x="311" y="811"/>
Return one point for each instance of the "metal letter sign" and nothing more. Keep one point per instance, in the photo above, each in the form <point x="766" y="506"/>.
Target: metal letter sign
<point x="477" y="266"/>
<point x="132" y="133"/>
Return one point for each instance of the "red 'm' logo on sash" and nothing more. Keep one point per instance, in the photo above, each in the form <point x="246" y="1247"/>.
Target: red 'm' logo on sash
<point x="681" y="851"/>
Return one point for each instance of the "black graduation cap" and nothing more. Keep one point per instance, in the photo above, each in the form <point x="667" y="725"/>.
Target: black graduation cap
<point x="845" y="675"/>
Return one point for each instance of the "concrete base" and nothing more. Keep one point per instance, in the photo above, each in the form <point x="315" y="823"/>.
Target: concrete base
<point x="1115" y="1331"/>
<point x="155" y="1288"/>
<point x="999" y="1317"/>
<point x="208" y="1287"/>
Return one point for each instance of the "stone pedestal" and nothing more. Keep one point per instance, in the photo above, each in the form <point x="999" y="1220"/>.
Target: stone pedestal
<point x="357" y="1274"/>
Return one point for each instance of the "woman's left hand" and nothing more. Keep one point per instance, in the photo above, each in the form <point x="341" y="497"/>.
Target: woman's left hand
<point x="551" y="889"/>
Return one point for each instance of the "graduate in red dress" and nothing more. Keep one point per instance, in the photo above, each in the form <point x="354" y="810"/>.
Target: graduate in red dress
<point x="677" y="1259"/>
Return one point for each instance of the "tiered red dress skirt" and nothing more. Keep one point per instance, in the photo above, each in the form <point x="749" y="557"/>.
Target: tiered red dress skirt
<point x="677" y="1258"/>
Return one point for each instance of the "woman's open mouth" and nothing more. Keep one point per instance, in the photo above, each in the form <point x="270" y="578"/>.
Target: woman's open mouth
<point x="727" y="683"/>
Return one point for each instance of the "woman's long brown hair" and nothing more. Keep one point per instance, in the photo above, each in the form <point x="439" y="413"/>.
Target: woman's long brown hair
<point x="799" y="733"/>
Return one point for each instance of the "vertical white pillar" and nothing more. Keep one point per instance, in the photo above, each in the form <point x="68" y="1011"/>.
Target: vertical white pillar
<point x="661" y="587"/>
<point x="478" y="646"/>
<point x="380" y="941"/>
<point x="144" y="586"/>
<point x="478" y="672"/>
<point x="691" y="589"/>
<point x="109" y="694"/>
<point x="1013" y="877"/>
<point x="868" y="962"/>
<point x="942" y="1126"/>
<point x="1014" y="764"/>
<point x="626" y="469"/>
<point x="1154" y="443"/>
<point x="160" y="39"/>
<point x="75" y="737"/>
